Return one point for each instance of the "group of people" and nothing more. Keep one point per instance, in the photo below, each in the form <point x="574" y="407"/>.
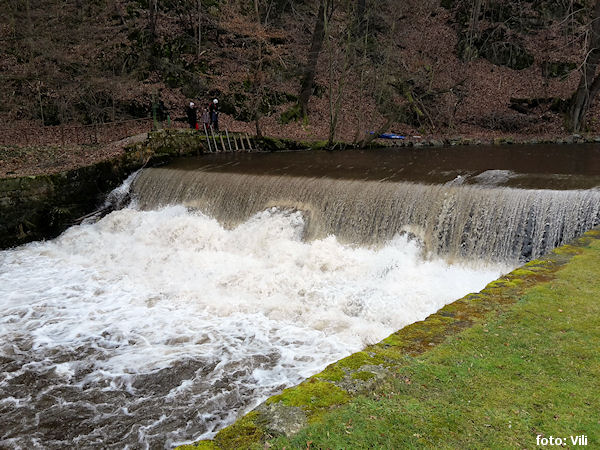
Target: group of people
<point x="209" y="117"/>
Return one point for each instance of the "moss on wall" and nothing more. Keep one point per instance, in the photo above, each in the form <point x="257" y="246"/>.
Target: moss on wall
<point x="43" y="206"/>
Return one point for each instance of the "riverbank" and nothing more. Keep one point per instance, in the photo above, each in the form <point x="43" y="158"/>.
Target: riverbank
<point x="495" y="369"/>
<point x="16" y="161"/>
<point x="433" y="141"/>
<point x="44" y="190"/>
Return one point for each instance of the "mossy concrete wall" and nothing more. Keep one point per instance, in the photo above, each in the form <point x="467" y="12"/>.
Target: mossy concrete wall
<point x="308" y="403"/>
<point x="39" y="207"/>
<point x="42" y="206"/>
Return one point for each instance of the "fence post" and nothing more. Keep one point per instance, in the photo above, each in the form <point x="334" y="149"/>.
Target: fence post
<point x="207" y="138"/>
<point x="228" y="141"/>
<point x="212" y="131"/>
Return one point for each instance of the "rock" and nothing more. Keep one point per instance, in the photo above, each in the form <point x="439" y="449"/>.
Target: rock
<point x="43" y="206"/>
<point x="280" y="419"/>
<point x="355" y="381"/>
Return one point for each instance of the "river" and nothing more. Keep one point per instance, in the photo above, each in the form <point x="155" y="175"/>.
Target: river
<point x="226" y="280"/>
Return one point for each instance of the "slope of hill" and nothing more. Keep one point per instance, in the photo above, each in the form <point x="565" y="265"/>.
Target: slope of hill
<point x="430" y="67"/>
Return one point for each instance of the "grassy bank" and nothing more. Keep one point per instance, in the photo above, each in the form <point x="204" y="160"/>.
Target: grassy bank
<point x="492" y="370"/>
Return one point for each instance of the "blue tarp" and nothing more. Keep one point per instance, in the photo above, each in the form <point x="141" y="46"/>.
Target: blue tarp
<point x="389" y="135"/>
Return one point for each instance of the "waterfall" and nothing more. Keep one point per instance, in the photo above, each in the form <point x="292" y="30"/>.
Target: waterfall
<point x="157" y="325"/>
<point x="465" y="221"/>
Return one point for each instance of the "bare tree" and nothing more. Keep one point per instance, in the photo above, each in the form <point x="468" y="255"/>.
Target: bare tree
<point x="361" y="6"/>
<point x="199" y="29"/>
<point x="589" y="85"/>
<point x="473" y="30"/>
<point x="258" y="72"/>
<point x="152" y="13"/>
<point x="337" y="87"/>
<point x="347" y="51"/>
<point x="152" y="17"/>
<point x="324" y="14"/>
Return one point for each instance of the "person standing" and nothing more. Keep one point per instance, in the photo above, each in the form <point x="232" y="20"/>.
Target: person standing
<point x="192" y="115"/>
<point x="206" y="119"/>
<point x="214" y="114"/>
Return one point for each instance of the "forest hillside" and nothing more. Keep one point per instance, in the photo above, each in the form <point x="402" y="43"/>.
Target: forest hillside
<point x="302" y="68"/>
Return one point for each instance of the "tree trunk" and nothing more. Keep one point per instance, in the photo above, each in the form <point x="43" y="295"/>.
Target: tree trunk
<point x="258" y="84"/>
<point x="199" y="28"/>
<point x="335" y="101"/>
<point x="152" y="6"/>
<point x="41" y="104"/>
<point x="361" y="6"/>
<point x="257" y="11"/>
<point x="370" y="137"/>
<point x="308" y="78"/>
<point x="152" y="10"/>
<point x="257" y="126"/>
<point x="473" y="31"/>
<point x="589" y="83"/>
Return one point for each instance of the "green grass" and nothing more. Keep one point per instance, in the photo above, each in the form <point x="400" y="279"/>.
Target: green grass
<point x="532" y="369"/>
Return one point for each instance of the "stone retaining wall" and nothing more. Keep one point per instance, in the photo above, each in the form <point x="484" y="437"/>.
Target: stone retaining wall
<point x="43" y="206"/>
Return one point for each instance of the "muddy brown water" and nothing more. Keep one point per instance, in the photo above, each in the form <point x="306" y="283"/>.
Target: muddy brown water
<point x="521" y="166"/>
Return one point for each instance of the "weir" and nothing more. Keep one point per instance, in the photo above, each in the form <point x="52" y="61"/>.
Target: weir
<point x="152" y="327"/>
<point x="456" y="220"/>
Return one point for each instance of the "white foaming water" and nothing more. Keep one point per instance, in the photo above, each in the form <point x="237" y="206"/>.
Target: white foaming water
<point x="154" y="328"/>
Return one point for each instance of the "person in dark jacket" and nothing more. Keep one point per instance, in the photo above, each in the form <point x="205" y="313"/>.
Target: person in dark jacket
<point x="192" y="115"/>
<point x="214" y="114"/>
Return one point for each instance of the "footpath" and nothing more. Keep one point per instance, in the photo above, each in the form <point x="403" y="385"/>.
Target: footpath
<point x="514" y="366"/>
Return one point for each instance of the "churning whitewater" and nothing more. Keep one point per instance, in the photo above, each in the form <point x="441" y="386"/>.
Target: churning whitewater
<point x="151" y="328"/>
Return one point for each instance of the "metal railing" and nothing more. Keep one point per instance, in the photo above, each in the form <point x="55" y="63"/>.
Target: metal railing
<point x="228" y="140"/>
